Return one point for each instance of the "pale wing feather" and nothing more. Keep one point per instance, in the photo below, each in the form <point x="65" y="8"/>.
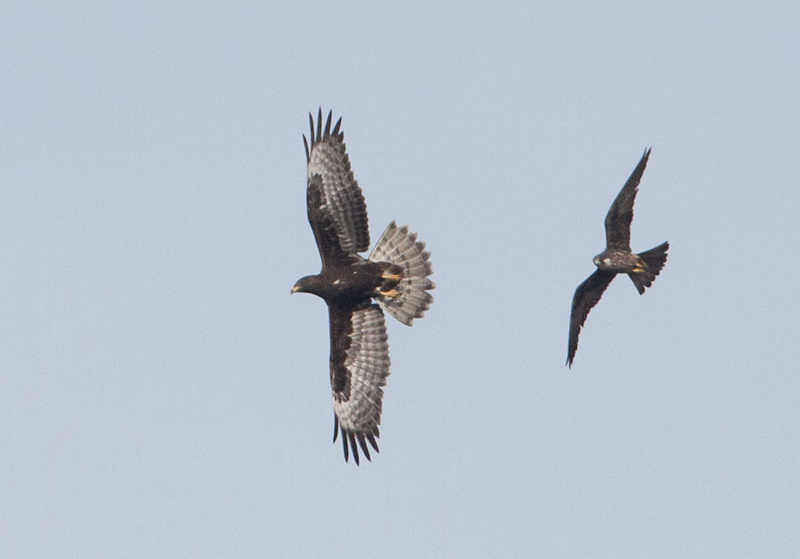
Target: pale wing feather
<point x="358" y="404"/>
<point x="342" y="199"/>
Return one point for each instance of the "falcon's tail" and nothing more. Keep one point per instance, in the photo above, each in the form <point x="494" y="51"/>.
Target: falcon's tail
<point x="401" y="248"/>
<point x="654" y="260"/>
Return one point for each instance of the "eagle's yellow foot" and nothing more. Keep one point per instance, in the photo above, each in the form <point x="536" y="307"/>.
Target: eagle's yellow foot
<point x="392" y="293"/>
<point x="639" y="268"/>
<point x="391" y="277"/>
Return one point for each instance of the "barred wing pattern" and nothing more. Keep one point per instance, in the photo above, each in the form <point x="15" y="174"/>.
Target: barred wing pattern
<point x="620" y="214"/>
<point x="359" y="367"/>
<point x="336" y="208"/>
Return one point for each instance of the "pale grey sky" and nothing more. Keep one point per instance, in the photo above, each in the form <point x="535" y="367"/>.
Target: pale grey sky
<point x="162" y="394"/>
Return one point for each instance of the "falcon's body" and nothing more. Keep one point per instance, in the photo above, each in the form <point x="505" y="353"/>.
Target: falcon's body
<point x="396" y="275"/>
<point x="617" y="258"/>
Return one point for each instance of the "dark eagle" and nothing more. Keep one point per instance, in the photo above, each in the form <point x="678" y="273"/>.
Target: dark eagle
<point x="395" y="275"/>
<point x="617" y="258"/>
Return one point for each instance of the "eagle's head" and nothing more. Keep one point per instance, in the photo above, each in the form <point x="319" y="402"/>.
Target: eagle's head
<point x="308" y="284"/>
<point x="301" y="285"/>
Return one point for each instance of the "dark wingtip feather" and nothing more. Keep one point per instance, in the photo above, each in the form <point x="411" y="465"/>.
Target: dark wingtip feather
<point x="344" y="447"/>
<point x="319" y="125"/>
<point x="328" y="125"/>
<point x="354" y="440"/>
<point x="311" y="127"/>
<point x="373" y="442"/>
<point x="353" y="444"/>
<point x="643" y="162"/>
<point x="305" y="144"/>
<point x="363" y="443"/>
<point x="571" y="351"/>
<point x="336" y="127"/>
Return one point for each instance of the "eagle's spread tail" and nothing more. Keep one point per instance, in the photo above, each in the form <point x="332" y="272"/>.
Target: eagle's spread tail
<point x="409" y="299"/>
<point x="654" y="260"/>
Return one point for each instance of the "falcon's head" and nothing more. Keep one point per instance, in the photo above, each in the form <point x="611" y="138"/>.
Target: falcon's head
<point x="602" y="261"/>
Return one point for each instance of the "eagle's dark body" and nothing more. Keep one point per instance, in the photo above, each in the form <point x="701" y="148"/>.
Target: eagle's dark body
<point x="617" y="258"/>
<point x="395" y="274"/>
<point x="348" y="285"/>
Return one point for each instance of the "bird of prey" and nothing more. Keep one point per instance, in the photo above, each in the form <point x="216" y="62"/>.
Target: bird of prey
<point x="395" y="275"/>
<point x="617" y="258"/>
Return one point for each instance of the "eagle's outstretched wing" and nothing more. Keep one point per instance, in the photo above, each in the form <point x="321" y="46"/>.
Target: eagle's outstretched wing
<point x="336" y="208"/>
<point x="620" y="214"/>
<point x="586" y="296"/>
<point x="359" y="367"/>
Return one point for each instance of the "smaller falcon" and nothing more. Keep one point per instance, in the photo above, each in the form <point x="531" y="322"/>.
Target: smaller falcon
<point x="617" y="258"/>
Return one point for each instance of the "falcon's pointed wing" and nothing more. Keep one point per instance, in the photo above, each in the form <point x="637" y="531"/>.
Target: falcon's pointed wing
<point x="620" y="214"/>
<point x="586" y="296"/>
<point x="336" y="208"/>
<point x="359" y="367"/>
